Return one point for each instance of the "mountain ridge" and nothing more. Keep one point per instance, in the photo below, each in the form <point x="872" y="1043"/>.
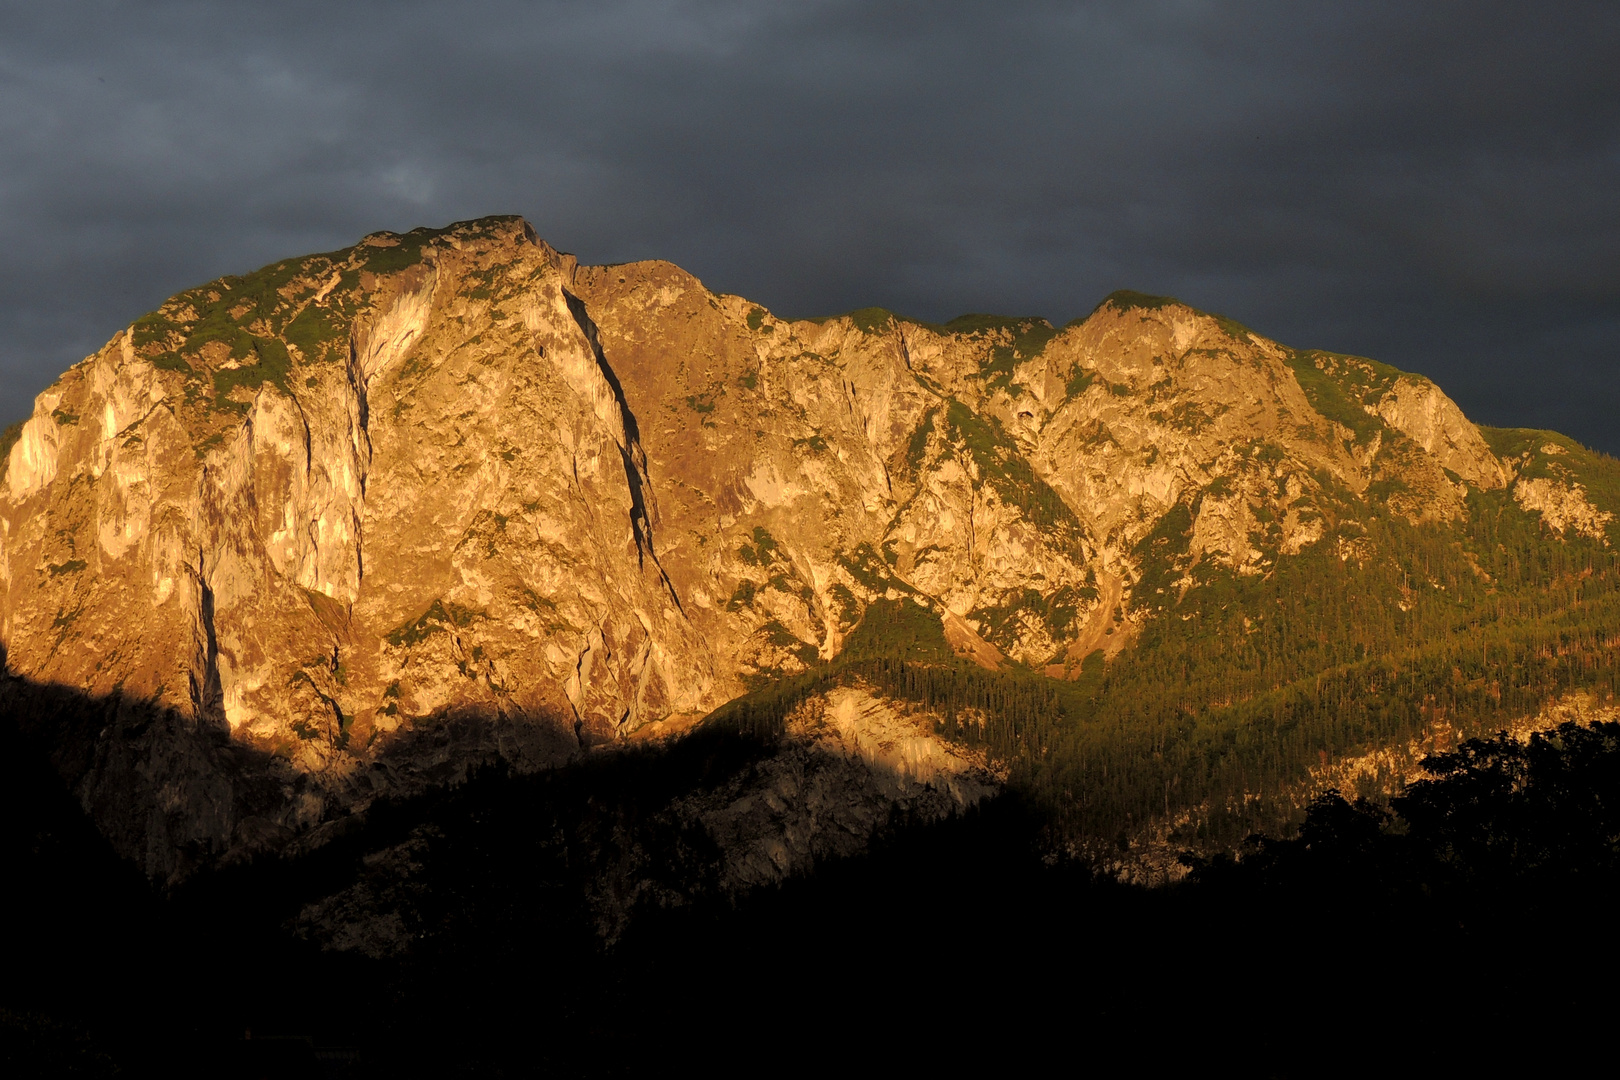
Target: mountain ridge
<point x="323" y="510"/>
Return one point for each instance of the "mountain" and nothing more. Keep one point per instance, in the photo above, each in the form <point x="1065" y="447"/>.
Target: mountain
<point x="356" y="525"/>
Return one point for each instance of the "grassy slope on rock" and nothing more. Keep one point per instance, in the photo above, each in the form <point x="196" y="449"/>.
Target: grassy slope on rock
<point x="1547" y="454"/>
<point x="308" y="303"/>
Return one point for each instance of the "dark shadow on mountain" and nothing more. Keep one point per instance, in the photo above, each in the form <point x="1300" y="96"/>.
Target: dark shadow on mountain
<point x="174" y="794"/>
<point x="167" y="791"/>
<point x="1468" y="925"/>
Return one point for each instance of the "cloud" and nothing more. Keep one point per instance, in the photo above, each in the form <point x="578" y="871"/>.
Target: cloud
<point x="1428" y="184"/>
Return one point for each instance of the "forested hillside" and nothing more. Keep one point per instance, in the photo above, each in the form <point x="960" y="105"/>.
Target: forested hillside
<point x="1239" y="686"/>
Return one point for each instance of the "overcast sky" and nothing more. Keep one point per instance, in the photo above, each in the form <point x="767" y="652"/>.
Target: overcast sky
<point x="1436" y="185"/>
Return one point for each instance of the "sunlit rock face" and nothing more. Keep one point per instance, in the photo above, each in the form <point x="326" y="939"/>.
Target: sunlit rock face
<point x="376" y="516"/>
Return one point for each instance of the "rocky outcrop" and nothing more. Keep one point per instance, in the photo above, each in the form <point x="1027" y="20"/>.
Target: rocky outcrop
<point x="1416" y="408"/>
<point x="1563" y="506"/>
<point x="849" y="762"/>
<point x="330" y="511"/>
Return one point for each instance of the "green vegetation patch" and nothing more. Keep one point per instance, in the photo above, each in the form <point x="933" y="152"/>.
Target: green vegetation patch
<point x="319" y="332"/>
<point x="898" y="628"/>
<point x="1002" y="466"/>
<point x="1567" y="460"/>
<point x="1161" y="555"/>
<point x="1185" y="416"/>
<point x="870" y="570"/>
<point x="899" y="651"/>
<point x="1002" y="624"/>
<point x="1340" y="387"/>
<point x="845" y="607"/>
<point x="391" y="259"/>
<point x="1232" y="328"/>
<point x="155" y="329"/>
<point x="762" y="551"/>
<point x="872" y="320"/>
<point x="253" y="316"/>
<point x="980" y="323"/>
<point x="917" y="445"/>
<point x="1080" y="380"/>
<point x="780" y="637"/>
<point x="1029" y="338"/>
<point x="257" y="316"/>
<point x="439" y="617"/>
<point x="1232" y="694"/>
<point x="409" y="248"/>
<point x="272" y="364"/>
<point x="171" y="361"/>
<point x="484" y="284"/>
<point x="743" y="597"/>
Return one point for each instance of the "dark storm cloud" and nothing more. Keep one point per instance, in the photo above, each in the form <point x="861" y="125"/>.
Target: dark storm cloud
<point x="1433" y="184"/>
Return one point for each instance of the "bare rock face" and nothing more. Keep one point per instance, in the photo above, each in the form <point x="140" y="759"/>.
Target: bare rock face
<point x="1563" y="506"/>
<point x="1417" y="408"/>
<point x="360" y="521"/>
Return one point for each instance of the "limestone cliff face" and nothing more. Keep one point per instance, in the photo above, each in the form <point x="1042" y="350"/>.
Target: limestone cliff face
<point x="445" y="496"/>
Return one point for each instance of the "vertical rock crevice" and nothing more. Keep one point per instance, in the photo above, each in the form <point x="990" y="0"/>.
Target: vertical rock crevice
<point x="207" y="689"/>
<point x="643" y="505"/>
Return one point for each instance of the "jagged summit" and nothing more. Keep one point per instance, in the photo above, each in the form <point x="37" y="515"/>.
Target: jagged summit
<point x="447" y="495"/>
